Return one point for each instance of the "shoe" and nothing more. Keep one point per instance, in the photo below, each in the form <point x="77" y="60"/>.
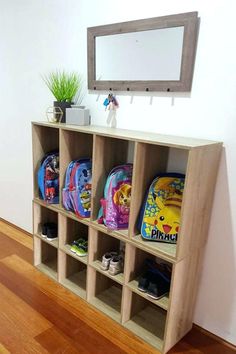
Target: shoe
<point x="158" y="288"/>
<point x="80" y="247"/>
<point x="49" y="231"/>
<point x="143" y="282"/>
<point x="155" y="281"/>
<point x="116" y="265"/>
<point x="106" y="258"/>
<point x="52" y="232"/>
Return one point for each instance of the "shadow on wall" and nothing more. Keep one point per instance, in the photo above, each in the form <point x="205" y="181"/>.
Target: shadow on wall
<point x="217" y="290"/>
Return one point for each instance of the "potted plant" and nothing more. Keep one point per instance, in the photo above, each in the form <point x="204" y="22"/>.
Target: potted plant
<point x="64" y="87"/>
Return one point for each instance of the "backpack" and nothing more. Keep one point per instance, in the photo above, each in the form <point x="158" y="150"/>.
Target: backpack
<point x="160" y="215"/>
<point x="76" y="195"/>
<point x="115" y="205"/>
<point x="48" y="178"/>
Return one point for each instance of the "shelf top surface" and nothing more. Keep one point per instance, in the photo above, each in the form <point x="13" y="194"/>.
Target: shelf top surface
<point x="133" y="135"/>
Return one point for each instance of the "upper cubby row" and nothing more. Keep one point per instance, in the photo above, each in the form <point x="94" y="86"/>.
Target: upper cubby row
<point x="151" y="155"/>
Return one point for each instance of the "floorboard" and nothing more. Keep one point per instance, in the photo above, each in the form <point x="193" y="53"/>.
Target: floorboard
<point x="37" y="315"/>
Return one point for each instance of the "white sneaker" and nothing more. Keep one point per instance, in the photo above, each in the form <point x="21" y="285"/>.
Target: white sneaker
<point x="106" y="258"/>
<point x="116" y="265"/>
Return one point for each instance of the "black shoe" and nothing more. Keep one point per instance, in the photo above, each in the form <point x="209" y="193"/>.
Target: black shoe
<point x="158" y="287"/>
<point x="49" y="231"/>
<point x="52" y="232"/>
<point x="143" y="282"/>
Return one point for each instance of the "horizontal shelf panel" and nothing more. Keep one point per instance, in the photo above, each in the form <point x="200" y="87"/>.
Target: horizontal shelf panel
<point x="119" y="278"/>
<point x="49" y="268"/>
<point x="58" y="208"/>
<point x="160" y="248"/>
<point x="109" y="302"/>
<point x="76" y="283"/>
<point x="66" y="249"/>
<point x="162" y="302"/>
<point x="149" y="325"/>
<point x="53" y="243"/>
<point x="54" y="207"/>
<point x="121" y="234"/>
<point x="146" y="137"/>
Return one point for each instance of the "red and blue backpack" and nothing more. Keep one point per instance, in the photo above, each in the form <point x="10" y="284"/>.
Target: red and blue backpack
<point x="48" y="178"/>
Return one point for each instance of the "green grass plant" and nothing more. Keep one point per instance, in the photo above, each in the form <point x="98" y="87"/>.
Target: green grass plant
<point x="64" y="86"/>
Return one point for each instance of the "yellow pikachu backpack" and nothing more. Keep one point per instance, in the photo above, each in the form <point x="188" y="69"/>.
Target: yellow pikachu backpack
<point x="160" y="214"/>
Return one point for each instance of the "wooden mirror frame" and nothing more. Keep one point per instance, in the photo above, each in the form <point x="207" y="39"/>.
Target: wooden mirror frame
<point x="189" y="21"/>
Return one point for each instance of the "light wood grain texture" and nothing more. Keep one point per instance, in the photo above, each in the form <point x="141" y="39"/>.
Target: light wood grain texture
<point x="182" y="298"/>
<point x="162" y="302"/>
<point x="119" y="278"/>
<point x="163" y="322"/>
<point x="44" y="140"/>
<point x="149" y="160"/>
<point x="109" y="301"/>
<point x="133" y="135"/>
<point x="198" y="197"/>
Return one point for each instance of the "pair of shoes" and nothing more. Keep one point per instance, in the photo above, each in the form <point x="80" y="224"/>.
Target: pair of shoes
<point x="80" y="247"/>
<point x="112" y="262"/>
<point x="155" y="281"/>
<point x="49" y="231"/>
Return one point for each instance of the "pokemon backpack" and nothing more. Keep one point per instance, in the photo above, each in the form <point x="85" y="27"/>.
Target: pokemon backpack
<point x="76" y="195"/>
<point x="160" y="215"/>
<point x="48" y="178"/>
<point x="115" y="205"/>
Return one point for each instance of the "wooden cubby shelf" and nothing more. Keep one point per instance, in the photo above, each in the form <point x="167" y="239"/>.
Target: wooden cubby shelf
<point x="72" y="274"/>
<point x="163" y="322"/>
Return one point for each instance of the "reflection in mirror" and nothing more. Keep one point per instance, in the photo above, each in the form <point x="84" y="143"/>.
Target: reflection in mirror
<point x="149" y="55"/>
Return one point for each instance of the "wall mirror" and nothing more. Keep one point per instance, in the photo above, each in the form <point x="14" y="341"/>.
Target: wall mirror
<point x="155" y="54"/>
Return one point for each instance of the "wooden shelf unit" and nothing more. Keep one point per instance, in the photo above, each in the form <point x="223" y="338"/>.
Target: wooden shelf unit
<point x="162" y="323"/>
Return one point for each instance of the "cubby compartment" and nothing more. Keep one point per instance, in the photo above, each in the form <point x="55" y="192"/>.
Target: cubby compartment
<point x="43" y="215"/>
<point x="156" y="316"/>
<point x="69" y="231"/>
<point x="72" y="274"/>
<point x="74" y="145"/>
<point x="99" y="245"/>
<point x="45" y="140"/>
<point x="108" y="153"/>
<point x="105" y="294"/>
<point x="45" y="257"/>
<point x="144" y="319"/>
<point x="136" y="264"/>
<point x="150" y="161"/>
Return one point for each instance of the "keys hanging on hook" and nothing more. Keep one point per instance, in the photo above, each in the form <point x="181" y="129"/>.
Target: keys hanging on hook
<point x="111" y="102"/>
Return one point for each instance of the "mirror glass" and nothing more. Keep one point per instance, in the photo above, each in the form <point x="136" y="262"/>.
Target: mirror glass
<point x="148" y="55"/>
<point x="152" y="54"/>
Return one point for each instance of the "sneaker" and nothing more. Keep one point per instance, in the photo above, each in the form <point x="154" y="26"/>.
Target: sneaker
<point x="158" y="288"/>
<point x="143" y="282"/>
<point x="106" y="258"/>
<point x="116" y="265"/>
<point x="80" y="247"/>
<point x="49" y="231"/>
<point x="52" y="232"/>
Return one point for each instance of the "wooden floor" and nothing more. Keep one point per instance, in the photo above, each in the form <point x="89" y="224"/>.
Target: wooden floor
<point x="37" y="315"/>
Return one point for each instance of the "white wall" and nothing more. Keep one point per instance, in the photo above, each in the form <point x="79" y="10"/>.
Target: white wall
<point x="39" y="36"/>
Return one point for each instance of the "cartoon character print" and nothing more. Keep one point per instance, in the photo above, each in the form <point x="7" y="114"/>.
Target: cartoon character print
<point x="85" y="192"/>
<point x="85" y="197"/>
<point x="121" y="199"/>
<point x="51" y="174"/>
<point x="164" y="206"/>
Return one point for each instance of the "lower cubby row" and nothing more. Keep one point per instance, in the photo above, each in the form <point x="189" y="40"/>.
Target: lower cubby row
<point x="120" y="302"/>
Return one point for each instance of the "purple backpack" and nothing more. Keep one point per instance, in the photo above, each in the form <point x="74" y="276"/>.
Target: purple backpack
<point x="115" y="205"/>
